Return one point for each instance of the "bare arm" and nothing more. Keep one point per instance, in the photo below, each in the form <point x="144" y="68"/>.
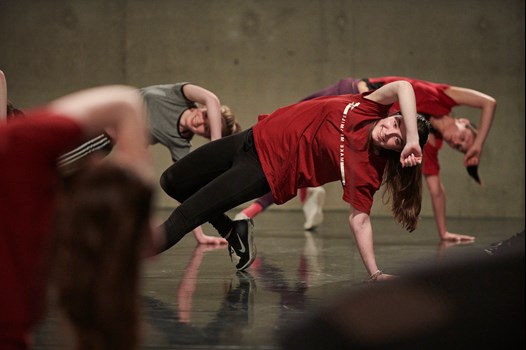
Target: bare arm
<point x="438" y="201"/>
<point x="3" y="98"/>
<point x="211" y="101"/>
<point x="120" y="108"/>
<point x="487" y="105"/>
<point x="362" y="230"/>
<point x="402" y="91"/>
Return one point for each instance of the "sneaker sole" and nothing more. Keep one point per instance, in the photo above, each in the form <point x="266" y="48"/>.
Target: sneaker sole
<point x="252" y="250"/>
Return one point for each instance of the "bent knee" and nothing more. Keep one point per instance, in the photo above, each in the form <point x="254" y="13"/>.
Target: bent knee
<point x="169" y="186"/>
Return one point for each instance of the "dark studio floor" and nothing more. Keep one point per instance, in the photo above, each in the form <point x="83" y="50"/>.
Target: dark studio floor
<point x="193" y="298"/>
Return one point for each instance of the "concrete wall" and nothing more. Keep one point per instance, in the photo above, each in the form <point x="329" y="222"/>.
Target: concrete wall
<point x="260" y="55"/>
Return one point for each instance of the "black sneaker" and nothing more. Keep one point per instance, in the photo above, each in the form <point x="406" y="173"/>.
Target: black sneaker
<point x="512" y="244"/>
<point x="241" y="244"/>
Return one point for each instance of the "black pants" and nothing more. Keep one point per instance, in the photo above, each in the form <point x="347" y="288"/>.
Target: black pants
<point x="211" y="180"/>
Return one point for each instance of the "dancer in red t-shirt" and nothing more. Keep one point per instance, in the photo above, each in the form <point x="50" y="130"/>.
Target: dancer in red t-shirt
<point x="347" y="138"/>
<point x="29" y="188"/>
<point x="435" y="101"/>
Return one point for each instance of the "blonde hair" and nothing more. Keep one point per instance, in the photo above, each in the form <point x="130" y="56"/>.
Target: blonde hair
<point x="229" y="122"/>
<point x="473" y="128"/>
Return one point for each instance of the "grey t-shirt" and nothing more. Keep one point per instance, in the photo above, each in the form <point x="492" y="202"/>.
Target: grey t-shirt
<point x="165" y="105"/>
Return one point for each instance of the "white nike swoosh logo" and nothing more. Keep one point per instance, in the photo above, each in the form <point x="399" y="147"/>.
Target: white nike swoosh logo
<point x="242" y="250"/>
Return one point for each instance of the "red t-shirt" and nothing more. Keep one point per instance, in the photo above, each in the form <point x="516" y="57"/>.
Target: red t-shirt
<point x="29" y="148"/>
<point x="430" y="97"/>
<point x="430" y="163"/>
<point x="314" y="142"/>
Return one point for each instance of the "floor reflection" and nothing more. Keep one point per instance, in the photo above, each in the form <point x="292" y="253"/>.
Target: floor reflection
<point x="231" y="318"/>
<point x="176" y="325"/>
<point x="193" y="298"/>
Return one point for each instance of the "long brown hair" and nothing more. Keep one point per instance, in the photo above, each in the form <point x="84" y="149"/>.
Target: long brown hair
<point x="403" y="189"/>
<point x="403" y="186"/>
<point x="13" y="112"/>
<point x="101" y="221"/>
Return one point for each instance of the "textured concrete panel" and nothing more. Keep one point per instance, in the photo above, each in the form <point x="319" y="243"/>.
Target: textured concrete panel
<point x="260" y="55"/>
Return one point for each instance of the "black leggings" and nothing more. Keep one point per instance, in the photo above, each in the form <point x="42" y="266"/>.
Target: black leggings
<point x="211" y="180"/>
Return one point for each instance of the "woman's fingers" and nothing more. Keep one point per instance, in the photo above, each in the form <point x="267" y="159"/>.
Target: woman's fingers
<point x="411" y="160"/>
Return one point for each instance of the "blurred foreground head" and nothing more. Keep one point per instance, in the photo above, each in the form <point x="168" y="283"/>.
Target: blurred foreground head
<point x="102" y="220"/>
